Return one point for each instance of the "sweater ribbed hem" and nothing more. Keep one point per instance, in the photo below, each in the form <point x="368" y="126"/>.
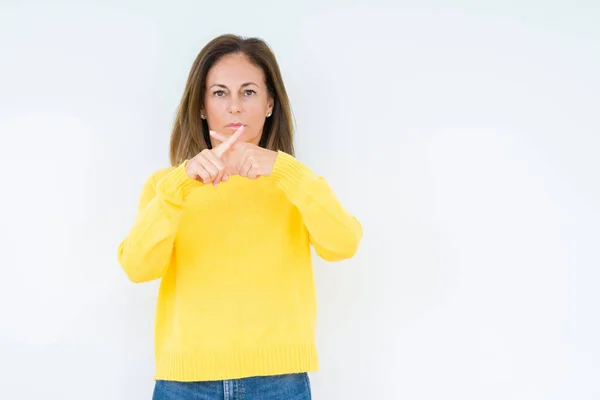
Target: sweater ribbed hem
<point x="236" y="364"/>
<point x="177" y="184"/>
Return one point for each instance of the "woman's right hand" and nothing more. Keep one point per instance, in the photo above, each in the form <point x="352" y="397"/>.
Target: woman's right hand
<point x="207" y="166"/>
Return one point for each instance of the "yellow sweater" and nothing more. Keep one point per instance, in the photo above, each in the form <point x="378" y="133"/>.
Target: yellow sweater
<point x="237" y="295"/>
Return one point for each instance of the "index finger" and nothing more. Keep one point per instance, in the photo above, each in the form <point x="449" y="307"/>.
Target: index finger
<point x="226" y="145"/>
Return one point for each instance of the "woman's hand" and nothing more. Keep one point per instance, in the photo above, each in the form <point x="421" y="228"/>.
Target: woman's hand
<point x="247" y="159"/>
<point x="208" y="165"/>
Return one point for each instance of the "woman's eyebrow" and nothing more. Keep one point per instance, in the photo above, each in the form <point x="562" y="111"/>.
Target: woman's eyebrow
<point x="243" y="85"/>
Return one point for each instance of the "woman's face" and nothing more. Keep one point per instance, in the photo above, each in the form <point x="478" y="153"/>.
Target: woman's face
<point x="236" y="94"/>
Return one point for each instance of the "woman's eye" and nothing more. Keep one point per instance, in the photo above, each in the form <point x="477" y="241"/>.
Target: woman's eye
<point x="249" y="92"/>
<point x="219" y="93"/>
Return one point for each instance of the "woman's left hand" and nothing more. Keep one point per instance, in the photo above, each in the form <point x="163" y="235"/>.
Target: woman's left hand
<point x="247" y="159"/>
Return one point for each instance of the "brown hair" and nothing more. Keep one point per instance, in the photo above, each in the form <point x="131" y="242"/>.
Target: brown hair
<point x="190" y="134"/>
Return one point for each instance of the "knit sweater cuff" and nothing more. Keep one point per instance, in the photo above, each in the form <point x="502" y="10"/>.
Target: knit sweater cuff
<point x="288" y="172"/>
<point x="177" y="184"/>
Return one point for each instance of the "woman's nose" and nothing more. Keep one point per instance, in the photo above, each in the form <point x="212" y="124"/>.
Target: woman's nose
<point x="235" y="106"/>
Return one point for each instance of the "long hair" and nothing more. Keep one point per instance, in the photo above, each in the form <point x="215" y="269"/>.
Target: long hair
<point x="190" y="134"/>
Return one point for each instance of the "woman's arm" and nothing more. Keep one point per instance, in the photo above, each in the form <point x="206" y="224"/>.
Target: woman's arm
<point x="145" y="253"/>
<point x="334" y="233"/>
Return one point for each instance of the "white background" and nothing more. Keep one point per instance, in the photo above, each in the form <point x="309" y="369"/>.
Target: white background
<point x="465" y="138"/>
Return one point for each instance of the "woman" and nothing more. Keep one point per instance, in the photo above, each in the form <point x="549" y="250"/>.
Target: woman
<point x="228" y="229"/>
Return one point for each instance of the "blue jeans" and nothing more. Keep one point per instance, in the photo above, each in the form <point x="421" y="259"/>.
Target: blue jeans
<point x="278" y="387"/>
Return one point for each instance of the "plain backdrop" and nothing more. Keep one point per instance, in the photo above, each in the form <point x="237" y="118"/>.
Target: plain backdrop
<point x="465" y="137"/>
